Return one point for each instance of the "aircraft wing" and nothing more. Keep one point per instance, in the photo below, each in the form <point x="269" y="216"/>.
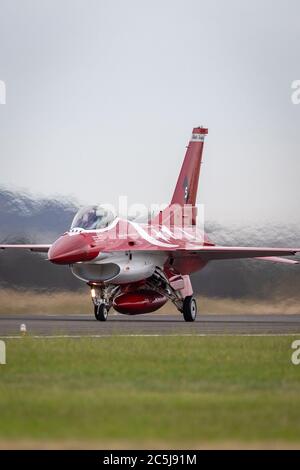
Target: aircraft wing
<point x="31" y="247"/>
<point x="210" y="253"/>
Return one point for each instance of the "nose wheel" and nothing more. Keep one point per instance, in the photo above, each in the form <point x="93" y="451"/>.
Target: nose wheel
<point x="101" y="312"/>
<point x="189" y="309"/>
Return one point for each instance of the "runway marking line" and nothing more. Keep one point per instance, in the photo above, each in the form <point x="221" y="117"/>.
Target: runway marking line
<point x="201" y="335"/>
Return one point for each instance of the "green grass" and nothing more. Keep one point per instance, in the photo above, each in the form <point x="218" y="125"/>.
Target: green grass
<point x="175" y="390"/>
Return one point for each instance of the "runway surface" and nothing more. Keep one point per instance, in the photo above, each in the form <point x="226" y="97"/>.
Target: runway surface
<point x="155" y="324"/>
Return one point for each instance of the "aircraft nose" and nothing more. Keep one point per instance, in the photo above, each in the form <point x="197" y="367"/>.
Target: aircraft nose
<point x="69" y="249"/>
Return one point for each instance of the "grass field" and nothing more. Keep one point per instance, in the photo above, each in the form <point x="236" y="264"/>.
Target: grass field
<point x="150" y="392"/>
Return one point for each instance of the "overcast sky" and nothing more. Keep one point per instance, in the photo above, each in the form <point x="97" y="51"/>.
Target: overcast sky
<point x="102" y="96"/>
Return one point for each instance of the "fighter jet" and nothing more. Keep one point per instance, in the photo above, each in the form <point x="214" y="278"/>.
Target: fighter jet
<point x="137" y="267"/>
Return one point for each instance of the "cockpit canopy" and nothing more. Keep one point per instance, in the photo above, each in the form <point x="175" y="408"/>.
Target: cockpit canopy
<point x="93" y="218"/>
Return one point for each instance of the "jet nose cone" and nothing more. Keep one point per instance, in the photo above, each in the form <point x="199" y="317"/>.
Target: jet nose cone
<point x="69" y="249"/>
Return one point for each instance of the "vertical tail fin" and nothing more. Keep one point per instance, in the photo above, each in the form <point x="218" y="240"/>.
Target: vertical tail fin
<point x="185" y="192"/>
<point x="187" y="184"/>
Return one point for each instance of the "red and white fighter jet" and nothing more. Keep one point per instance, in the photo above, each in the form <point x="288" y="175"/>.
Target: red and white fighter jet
<point x="137" y="268"/>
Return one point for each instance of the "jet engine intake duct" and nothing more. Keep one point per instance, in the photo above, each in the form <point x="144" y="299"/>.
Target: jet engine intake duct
<point x="95" y="272"/>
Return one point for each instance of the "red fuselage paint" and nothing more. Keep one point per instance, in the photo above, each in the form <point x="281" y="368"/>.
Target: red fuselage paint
<point x="70" y="249"/>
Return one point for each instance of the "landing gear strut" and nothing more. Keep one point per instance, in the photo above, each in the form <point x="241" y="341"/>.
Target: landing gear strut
<point x="102" y="297"/>
<point x="189" y="308"/>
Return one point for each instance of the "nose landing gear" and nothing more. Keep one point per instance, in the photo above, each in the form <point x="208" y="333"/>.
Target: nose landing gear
<point x="102" y="297"/>
<point x="101" y="312"/>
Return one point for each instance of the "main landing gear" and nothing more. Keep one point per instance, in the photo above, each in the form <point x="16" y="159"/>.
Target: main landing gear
<point x="187" y="306"/>
<point x="189" y="309"/>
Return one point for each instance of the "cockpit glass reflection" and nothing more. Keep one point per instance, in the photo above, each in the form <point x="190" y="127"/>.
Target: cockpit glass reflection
<point x="93" y="218"/>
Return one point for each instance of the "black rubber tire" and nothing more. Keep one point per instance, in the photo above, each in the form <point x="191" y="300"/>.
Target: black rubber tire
<point x="101" y="312"/>
<point x="189" y="309"/>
